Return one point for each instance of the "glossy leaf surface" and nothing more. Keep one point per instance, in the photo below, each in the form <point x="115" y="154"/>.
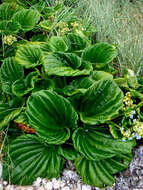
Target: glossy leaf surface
<point x="101" y="102"/>
<point x="10" y="72"/>
<point x="100" y="173"/>
<point x="66" y="64"/>
<point x="51" y="115"/>
<point x="95" y="145"/>
<point x="31" y="158"/>
<point x="29" y="55"/>
<point x="101" y="53"/>
<point x="27" y="18"/>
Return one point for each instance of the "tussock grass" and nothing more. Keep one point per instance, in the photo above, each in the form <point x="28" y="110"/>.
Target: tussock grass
<point x="118" y="22"/>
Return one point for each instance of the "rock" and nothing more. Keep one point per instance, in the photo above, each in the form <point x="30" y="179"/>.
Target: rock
<point x="38" y="181"/>
<point x="56" y="183"/>
<point x="30" y="188"/>
<point x="132" y="178"/>
<point x="65" y="188"/>
<point x="5" y="183"/>
<point x="86" y="187"/>
<point x="49" y="186"/>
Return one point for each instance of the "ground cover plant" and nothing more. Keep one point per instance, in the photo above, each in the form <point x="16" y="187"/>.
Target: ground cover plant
<point x="61" y="98"/>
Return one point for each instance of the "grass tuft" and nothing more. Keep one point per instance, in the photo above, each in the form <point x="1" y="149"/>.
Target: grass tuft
<point x="118" y="22"/>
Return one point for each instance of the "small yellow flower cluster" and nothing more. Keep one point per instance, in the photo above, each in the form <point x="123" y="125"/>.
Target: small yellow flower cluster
<point x="126" y="134"/>
<point x="9" y="40"/>
<point x="128" y="102"/>
<point x="63" y="27"/>
<point x="138" y="129"/>
<point x="76" y="25"/>
<point x="135" y="132"/>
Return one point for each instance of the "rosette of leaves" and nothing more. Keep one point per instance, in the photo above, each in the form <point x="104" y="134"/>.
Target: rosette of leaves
<point x="69" y="112"/>
<point x="14" y="17"/>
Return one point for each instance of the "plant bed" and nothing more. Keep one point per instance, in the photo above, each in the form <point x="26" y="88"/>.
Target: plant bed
<point x="62" y="100"/>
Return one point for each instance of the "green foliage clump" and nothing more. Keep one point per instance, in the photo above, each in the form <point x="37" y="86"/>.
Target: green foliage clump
<point x="61" y="87"/>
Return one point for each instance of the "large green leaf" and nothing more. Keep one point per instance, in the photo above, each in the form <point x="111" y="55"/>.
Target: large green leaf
<point x="31" y="158"/>
<point x="23" y="86"/>
<point x="10" y="71"/>
<point x="80" y="83"/>
<point x="27" y="19"/>
<point x="8" y="111"/>
<point x="68" y="152"/>
<point x="101" y="102"/>
<point x="100" y="53"/>
<point x="29" y="55"/>
<point x="51" y="115"/>
<point x="65" y="64"/>
<point x="7" y="10"/>
<point x="9" y="27"/>
<point x="76" y="41"/>
<point x="95" y="145"/>
<point x="99" y="173"/>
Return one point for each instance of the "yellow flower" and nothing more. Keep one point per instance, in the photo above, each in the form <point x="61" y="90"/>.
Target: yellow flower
<point x="9" y="40"/>
<point x="126" y="134"/>
<point x="138" y="128"/>
<point x="128" y="102"/>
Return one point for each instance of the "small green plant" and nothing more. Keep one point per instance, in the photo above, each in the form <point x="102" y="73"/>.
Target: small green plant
<point x="60" y="87"/>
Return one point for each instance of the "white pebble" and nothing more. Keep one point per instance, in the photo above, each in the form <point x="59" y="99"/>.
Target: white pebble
<point x="65" y="188"/>
<point x="49" y="186"/>
<point x="44" y="181"/>
<point x="30" y="188"/>
<point x="68" y="173"/>
<point x="54" y="180"/>
<point x="56" y="184"/>
<point x="5" y="182"/>
<point x="86" y="187"/>
<point x="41" y="188"/>
<point x="78" y="185"/>
<point x="62" y="184"/>
<point x="39" y="179"/>
<point x="36" y="183"/>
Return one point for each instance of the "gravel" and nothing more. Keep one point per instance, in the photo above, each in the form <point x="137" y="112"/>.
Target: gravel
<point x="130" y="179"/>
